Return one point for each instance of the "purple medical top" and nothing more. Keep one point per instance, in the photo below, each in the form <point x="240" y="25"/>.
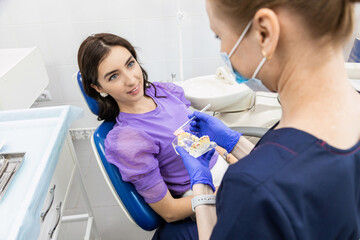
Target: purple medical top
<point x="140" y="145"/>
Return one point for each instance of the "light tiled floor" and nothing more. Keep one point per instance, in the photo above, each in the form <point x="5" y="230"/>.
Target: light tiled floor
<point x="109" y="218"/>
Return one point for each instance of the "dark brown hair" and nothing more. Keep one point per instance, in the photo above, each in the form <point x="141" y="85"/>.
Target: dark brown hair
<point x="324" y="18"/>
<point x="91" y="52"/>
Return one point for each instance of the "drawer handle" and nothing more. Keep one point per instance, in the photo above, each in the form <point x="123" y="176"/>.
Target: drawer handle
<point x="52" y="192"/>
<point x="58" y="209"/>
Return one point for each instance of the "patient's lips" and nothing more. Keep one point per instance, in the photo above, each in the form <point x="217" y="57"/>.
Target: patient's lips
<point x="135" y="90"/>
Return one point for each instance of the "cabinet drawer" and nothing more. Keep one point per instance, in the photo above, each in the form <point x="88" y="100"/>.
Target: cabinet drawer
<point x="55" y="200"/>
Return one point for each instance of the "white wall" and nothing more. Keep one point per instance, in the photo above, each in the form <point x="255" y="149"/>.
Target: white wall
<point x="57" y="28"/>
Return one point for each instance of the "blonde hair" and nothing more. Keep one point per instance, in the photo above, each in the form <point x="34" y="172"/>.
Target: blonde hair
<point x="324" y="18"/>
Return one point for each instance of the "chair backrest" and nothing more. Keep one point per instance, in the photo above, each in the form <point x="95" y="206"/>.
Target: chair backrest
<point x="132" y="203"/>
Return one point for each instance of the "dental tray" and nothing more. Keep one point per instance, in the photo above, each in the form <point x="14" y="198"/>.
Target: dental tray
<point x="9" y="164"/>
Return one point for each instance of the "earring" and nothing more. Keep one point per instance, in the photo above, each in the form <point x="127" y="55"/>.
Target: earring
<point x="265" y="54"/>
<point x="104" y="94"/>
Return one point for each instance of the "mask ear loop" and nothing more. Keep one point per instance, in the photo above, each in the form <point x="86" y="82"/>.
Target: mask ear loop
<point x="261" y="64"/>
<point x="259" y="67"/>
<point x="240" y="38"/>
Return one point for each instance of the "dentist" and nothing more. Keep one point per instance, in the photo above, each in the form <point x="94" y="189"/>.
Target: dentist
<point x="302" y="180"/>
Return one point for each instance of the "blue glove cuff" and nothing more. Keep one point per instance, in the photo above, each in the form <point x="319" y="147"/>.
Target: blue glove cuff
<point x="203" y="181"/>
<point x="233" y="140"/>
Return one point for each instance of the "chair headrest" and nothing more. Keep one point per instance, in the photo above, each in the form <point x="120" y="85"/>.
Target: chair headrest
<point x="92" y="103"/>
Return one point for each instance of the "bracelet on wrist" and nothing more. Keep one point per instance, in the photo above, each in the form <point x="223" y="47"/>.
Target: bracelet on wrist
<point x="201" y="200"/>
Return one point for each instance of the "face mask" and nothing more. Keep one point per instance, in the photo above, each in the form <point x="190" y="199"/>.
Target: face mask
<point x="238" y="77"/>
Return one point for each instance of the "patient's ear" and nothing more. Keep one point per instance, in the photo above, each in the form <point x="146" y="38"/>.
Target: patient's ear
<point x="98" y="89"/>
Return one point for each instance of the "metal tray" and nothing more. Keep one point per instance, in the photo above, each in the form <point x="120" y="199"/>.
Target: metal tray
<point x="10" y="163"/>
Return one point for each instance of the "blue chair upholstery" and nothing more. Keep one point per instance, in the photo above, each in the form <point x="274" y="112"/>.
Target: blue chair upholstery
<point x="133" y="204"/>
<point x="93" y="105"/>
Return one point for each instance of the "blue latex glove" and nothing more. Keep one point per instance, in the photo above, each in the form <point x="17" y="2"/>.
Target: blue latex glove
<point x="218" y="132"/>
<point x="198" y="168"/>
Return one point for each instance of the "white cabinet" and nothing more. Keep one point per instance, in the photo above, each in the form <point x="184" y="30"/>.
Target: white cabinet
<point x="50" y="217"/>
<point x="22" y="73"/>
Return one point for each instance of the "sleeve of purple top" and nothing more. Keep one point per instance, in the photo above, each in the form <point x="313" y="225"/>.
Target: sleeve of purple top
<point x="134" y="153"/>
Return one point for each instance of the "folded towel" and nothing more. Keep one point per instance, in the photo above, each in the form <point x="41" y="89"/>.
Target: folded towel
<point x="224" y="74"/>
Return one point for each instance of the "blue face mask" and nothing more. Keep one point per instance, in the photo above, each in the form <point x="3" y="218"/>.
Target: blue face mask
<point x="238" y="77"/>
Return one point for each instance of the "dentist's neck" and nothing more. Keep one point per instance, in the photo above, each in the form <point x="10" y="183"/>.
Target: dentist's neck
<point x="315" y="87"/>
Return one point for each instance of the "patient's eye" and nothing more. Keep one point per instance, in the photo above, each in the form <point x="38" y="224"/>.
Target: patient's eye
<point x="131" y="63"/>
<point x="113" y="76"/>
<point x="217" y="36"/>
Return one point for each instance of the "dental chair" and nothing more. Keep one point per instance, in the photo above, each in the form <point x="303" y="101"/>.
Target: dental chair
<point x="131" y="202"/>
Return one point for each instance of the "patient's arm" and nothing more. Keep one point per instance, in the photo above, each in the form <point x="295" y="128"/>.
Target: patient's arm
<point x="230" y="159"/>
<point x="173" y="209"/>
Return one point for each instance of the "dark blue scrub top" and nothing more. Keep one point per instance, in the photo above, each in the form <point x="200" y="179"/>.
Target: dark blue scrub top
<point x="291" y="186"/>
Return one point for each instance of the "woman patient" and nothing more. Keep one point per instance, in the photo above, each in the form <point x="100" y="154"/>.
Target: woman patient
<point x="146" y="116"/>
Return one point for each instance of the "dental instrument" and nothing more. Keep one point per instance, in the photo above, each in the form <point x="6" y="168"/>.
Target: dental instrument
<point x="180" y="129"/>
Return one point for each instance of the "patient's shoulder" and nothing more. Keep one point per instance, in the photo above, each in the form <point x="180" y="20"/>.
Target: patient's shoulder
<point x="167" y="88"/>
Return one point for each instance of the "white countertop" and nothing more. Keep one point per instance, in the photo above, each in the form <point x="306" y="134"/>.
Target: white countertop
<point x="40" y="132"/>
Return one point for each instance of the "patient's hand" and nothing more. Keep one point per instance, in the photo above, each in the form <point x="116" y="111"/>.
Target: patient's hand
<point x="230" y="159"/>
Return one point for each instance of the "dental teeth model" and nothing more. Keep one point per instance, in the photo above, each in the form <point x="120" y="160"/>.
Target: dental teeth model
<point x="194" y="145"/>
<point x="185" y="138"/>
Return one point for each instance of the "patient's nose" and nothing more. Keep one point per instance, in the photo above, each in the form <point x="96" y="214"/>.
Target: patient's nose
<point x="130" y="79"/>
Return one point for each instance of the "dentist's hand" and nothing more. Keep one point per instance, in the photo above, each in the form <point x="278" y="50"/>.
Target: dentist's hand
<point x="218" y="132"/>
<point x="198" y="168"/>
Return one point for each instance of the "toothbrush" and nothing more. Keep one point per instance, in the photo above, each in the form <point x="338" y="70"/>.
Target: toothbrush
<point x="180" y="129"/>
